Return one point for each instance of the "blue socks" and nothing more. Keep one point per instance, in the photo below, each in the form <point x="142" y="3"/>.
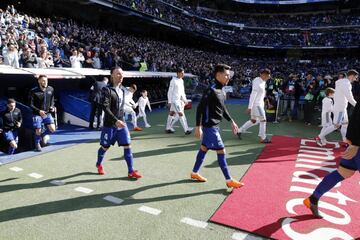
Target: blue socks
<point x="46" y="131"/>
<point x="199" y="160"/>
<point x="223" y="166"/>
<point x="11" y="150"/>
<point x="37" y="139"/>
<point x="101" y="154"/>
<point x="129" y="159"/>
<point x="326" y="185"/>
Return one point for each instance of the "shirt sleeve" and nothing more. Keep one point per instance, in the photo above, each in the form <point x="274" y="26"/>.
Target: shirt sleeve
<point x="31" y="102"/>
<point x="254" y="93"/>
<point x="201" y="108"/>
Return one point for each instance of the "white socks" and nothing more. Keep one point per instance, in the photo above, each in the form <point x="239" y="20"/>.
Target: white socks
<point x="184" y="124"/>
<point x="262" y="130"/>
<point x="248" y="125"/>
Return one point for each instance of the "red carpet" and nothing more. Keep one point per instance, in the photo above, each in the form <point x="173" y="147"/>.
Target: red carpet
<point x="270" y="203"/>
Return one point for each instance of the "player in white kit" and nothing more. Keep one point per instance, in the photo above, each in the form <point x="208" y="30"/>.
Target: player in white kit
<point x="142" y="103"/>
<point x="130" y="105"/>
<point x="177" y="100"/>
<point x="326" y="110"/>
<point x="256" y="106"/>
<point x="343" y="95"/>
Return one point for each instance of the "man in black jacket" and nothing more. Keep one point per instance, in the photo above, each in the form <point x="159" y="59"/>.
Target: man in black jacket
<point x="115" y="129"/>
<point x="349" y="164"/>
<point x="11" y="122"/>
<point x="95" y="98"/>
<point x="210" y="112"/>
<point x="41" y="100"/>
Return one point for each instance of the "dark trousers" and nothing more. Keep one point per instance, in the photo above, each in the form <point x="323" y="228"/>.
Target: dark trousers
<point x="96" y="110"/>
<point x="309" y="111"/>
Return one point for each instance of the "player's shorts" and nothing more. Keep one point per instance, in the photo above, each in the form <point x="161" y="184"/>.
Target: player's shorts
<point x="258" y="112"/>
<point x="341" y="117"/>
<point x="211" y="139"/>
<point x="111" y="135"/>
<point x="11" y="135"/>
<point x="38" y="120"/>
<point x="177" y="107"/>
<point x="352" y="164"/>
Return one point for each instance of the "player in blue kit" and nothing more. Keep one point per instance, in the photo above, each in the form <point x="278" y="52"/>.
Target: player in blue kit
<point x="41" y="100"/>
<point x="10" y="122"/>
<point x="349" y="164"/>
<point x="115" y="129"/>
<point x="209" y="114"/>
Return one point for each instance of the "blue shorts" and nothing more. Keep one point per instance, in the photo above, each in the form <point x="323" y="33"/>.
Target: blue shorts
<point x="38" y="121"/>
<point x="352" y="164"/>
<point x="11" y="135"/>
<point x="111" y="135"/>
<point x="212" y="139"/>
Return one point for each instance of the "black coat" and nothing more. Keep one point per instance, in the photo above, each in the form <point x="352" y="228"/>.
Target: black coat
<point x="95" y="95"/>
<point x="8" y="119"/>
<point x="114" y="110"/>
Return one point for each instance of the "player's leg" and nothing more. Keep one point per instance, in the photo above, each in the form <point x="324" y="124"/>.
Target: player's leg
<point x="346" y="169"/>
<point x="170" y="119"/>
<point x="344" y="126"/>
<point x="262" y="128"/>
<point x="11" y="138"/>
<point x="230" y="182"/>
<point x="37" y="123"/>
<point x="107" y="138"/>
<point x="50" y="128"/>
<point x="123" y="138"/>
<point x="200" y="157"/>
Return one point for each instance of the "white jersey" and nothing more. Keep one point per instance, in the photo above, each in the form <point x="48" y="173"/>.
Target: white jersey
<point x="176" y="92"/>
<point x="257" y="94"/>
<point x="142" y="103"/>
<point x="129" y="102"/>
<point x="327" y="109"/>
<point x="343" y="95"/>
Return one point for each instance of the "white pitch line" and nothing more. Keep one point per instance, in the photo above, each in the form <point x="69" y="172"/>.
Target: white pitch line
<point x="35" y="175"/>
<point x="16" y="169"/>
<point x="245" y="236"/>
<point x="149" y="210"/>
<point x="229" y="130"/>
<point x="194" y="223"/>
<point x="83" y="190"/>
<point x="57" y="182"/>
<point x="113" y="199"/>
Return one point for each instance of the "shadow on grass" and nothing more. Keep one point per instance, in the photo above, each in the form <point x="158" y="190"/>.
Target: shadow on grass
<point x="46" y="183"/>
<point x="96" y="201"/>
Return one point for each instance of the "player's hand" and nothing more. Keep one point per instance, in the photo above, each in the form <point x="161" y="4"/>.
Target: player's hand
<point x="248" y="111"/>
<point x="52" y="109"/>
<point x="150" y="110"/>
<point x="350" y="152"/>
<point x="120" y="124"/>
<point x="42" y="114"/>
<point x="18" y="124"/>
<point x="234" y="127"/>
<point x="1" y="130"/>
<point x="198" y="133"/>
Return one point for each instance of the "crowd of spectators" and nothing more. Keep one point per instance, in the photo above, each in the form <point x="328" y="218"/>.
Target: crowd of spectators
<point x="247" y="35"/>
<point x="309" y="20"/>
